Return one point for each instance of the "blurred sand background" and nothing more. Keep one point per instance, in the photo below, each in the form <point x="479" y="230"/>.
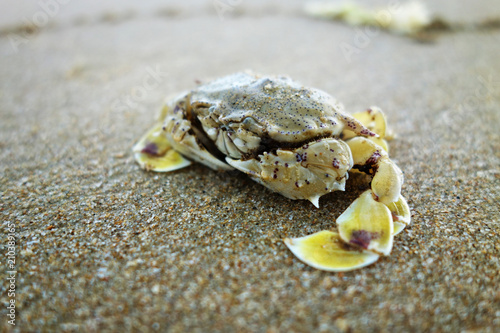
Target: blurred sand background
<point x="104" y="246"/>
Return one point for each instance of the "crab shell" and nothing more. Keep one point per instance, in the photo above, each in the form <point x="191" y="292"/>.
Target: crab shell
<point x="283" y="135"/>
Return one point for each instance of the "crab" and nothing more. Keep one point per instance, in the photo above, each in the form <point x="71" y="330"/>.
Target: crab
<point x="296" y="141"/>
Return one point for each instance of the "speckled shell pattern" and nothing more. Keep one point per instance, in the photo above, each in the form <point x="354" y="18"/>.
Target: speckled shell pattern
<point x="246" y="109"/>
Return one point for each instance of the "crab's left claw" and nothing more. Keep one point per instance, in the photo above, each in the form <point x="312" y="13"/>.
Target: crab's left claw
<point x="154" y="152"/>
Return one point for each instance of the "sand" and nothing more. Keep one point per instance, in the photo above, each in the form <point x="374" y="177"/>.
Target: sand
<point x="104" y="246"/>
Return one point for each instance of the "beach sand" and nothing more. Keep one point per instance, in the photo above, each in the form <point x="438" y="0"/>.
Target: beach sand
<point x="103" y="246"/>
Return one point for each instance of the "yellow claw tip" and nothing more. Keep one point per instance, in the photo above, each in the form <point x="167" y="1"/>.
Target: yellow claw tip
<point x="171" y="161"/>
<point x="324" y="250"/>
<point x="154" y="152"/>
<point x="398" y="227"/>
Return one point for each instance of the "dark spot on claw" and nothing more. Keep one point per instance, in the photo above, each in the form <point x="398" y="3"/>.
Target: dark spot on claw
<point x="374" y="158"/>
<point x="151" y="148"/>
<point x="297" y="184"/>
<point x="368" y="132"/>
<point x="363" y="238"/>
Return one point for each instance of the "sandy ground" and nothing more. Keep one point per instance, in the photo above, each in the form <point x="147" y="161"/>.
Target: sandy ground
<point x="103" y="246"/>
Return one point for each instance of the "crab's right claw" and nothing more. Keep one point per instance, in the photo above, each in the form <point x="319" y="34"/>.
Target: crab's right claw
<point x="326" y="251"/>
<point x="154" y="152"/>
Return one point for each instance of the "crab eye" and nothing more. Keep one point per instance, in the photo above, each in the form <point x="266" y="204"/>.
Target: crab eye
<point x="247" y="122"/>
<point x="251" y="125"/>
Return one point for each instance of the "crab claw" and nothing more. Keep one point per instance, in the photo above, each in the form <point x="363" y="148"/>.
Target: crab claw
<point x="307" y="172"/>
<point x="154" y="152"/>
<point x="326" y="251"/>
<point x="367" y="224"/>
<point x="373" y="159"/>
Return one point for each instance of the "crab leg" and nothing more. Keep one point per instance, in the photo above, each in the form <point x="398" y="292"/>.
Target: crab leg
<point x="373" y="159"/>
<point x="366" y="229"/>
<point x="365" y="232"/>
<point x="374" y="119"/>
<point x="161" y="147"/>
<point x="325" y="250"/>
<point x="369" y="223"/>
<point x="154" y="152"/>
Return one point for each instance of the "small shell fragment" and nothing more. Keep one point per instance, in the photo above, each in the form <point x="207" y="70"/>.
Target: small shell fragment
<point x="401" y="215"/>
<point x="325" y="250"/>
<point x="154" y="152"/>
<point x="367" y="224"/>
